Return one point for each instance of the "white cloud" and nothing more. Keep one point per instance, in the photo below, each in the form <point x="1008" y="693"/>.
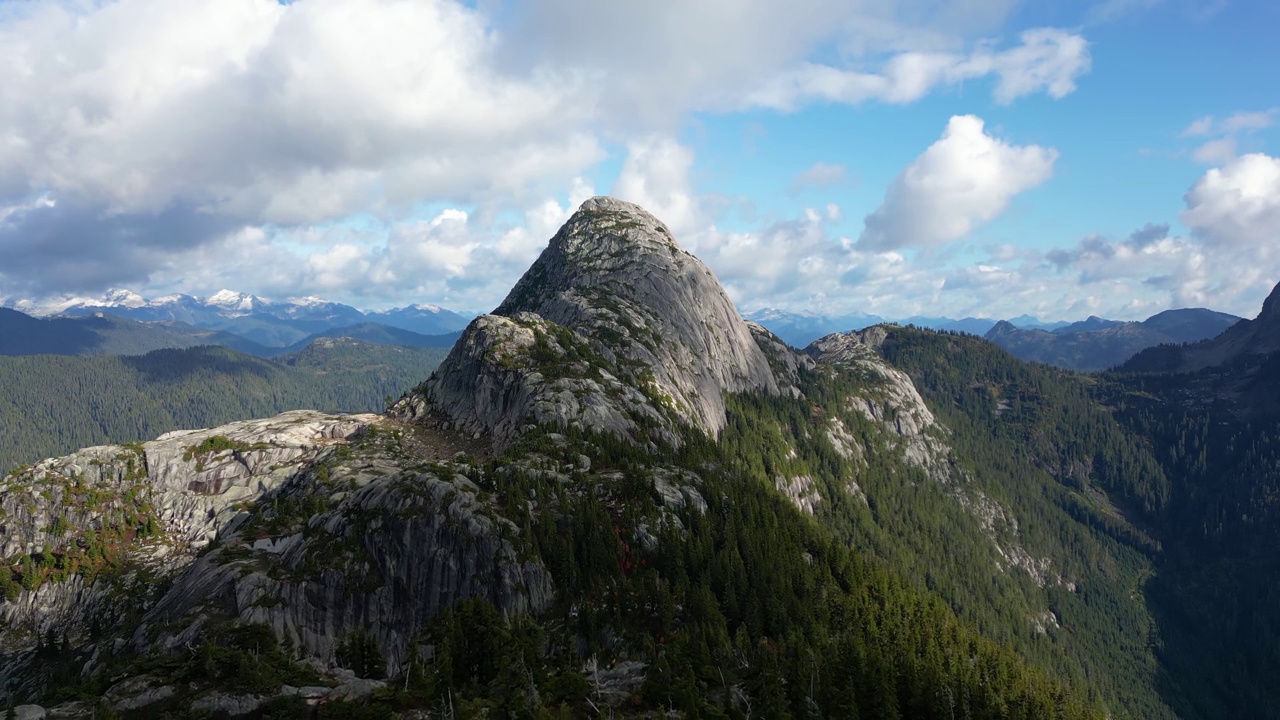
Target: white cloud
<point x="655" y="175"/>
<point x="1227" y="263"/>
<point x="1248" y="121"/>
<point x="43" y="201"/>
<point x="1223" y="148"/>
<point x="1201" y="126"/>
<point x="1047" y="60"/>
<point x="459" y="259"/>
<point x="1237" y="204"/>
<point x="193" y="145"/>
<point x="966" y="178"/>
<point x="1234" y="123"/>
<point x="281" y="113"/>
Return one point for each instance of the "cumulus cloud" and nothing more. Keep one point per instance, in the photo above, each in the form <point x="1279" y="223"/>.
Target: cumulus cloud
<point x="655" y="175"/>
<point x="279" y="113"/>
<point x="453" y="256"/>
<point x="965" y="178"/>
<point x="1228" y="262"/>
<point x="1237" y="204"/>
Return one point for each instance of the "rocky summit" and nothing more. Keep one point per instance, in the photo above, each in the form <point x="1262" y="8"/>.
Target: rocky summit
<point x="612" y="283"/>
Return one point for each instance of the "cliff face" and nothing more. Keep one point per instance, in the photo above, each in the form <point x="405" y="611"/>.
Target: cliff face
<point x="384" y="551"/>
<point x="314" y="525"/>
<point x="615" y="279"/>
<point x="154" y="504"/>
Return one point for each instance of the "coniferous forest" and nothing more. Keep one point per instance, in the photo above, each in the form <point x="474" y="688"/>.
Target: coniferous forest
<point x="53" y="404"/>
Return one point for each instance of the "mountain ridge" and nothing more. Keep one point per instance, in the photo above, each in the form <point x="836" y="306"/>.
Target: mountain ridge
<point x="1097" y="343"/>
<point x="266" y="322"/>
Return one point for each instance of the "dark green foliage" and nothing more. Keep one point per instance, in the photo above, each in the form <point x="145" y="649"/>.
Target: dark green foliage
<point x="359" y="653"/>
<point x="231" y="657"/>
<point x="286" y="707"/>
<point x="52" y="405"/>
<point x="1217" y="588"/>
<point x="1086" y="492"/>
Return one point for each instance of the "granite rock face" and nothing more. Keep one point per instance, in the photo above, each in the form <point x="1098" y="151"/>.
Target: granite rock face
<point x="156" y="503"/>
<point x="313" y="525"/>
<point x="652" y="314"/>
<point x="383" y="557"/>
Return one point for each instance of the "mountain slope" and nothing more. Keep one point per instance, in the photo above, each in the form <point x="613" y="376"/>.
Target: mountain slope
<point x="901" y="445"/>
<point x="612" y="282"/>
<point x="1213" y="408"/>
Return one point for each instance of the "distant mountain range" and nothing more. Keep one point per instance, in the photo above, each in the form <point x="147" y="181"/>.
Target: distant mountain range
<point x="799" y="329"/>
<point x="1098" y="343"/>
<point x="271" y="324"/>
<point x="105" y="334"/>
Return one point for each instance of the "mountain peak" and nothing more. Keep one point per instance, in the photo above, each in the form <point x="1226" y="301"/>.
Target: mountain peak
<point x="233" y="300"/>
<point x="603" y="237"/>
<point x="119" y="297"/>
<point x="651" y="314"/>
<point x="1271" y="307"/>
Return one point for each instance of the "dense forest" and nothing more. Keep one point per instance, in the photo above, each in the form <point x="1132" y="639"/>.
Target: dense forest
<point x="1042" y="548"/>
<point x="54" y="404"/>
<point x="1217" y="434"/>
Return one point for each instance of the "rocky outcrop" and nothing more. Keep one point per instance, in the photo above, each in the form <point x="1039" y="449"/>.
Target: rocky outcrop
<point x="890" y="399"/>
<point x="392" y="549"/>
<point x="315" y="526"/>
<point x="505" y="374"/>
<point x="647" y="313"/>
<point x="151" y="505"/>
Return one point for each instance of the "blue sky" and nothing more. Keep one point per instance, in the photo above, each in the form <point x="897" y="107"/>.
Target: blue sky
<point x="980" y="157"/>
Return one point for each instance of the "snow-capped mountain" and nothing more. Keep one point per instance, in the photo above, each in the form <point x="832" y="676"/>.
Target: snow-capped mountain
<point x="262" y="320"/>
<point x="236" y="302"/>
<point x="425" y="319"/>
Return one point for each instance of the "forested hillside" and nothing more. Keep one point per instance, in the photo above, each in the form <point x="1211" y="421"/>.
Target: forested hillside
<point x="1032" y="545"/>
<point x="51" y="404"/>
<point x="1216" y="595"/>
